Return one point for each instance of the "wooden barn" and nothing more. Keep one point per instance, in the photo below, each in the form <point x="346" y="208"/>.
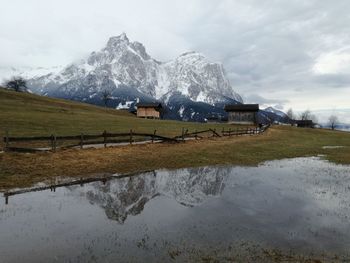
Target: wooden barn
<point x="242" y="113"/>
<point x="304" y="123"/>
<point x="149" y="110"/>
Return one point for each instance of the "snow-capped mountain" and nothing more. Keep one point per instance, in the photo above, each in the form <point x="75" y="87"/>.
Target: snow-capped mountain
<point x="277" y="112"/>
<point x="271" y="114"/>
<point x="195" y="77"/>
<point x="27" y="72"/>
<point x="128" y="73"/>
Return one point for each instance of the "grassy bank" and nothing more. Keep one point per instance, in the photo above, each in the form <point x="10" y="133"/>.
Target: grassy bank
<point x="24" y="114"/>
<point x="278" y="142"/>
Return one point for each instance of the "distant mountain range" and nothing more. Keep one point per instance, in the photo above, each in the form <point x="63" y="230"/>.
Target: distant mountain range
<point x="270" y="114"/>
<point x="190" y="87"/>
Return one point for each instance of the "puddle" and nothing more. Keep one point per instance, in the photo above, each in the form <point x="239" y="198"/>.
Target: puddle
<point x="298" y="205"/>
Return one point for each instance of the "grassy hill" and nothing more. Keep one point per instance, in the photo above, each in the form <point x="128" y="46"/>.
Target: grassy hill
<point x="27" y="114"/>
<point x="24" y="114"/>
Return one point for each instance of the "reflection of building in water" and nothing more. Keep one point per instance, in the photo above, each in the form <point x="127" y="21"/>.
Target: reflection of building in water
<point x="128" y="196"/>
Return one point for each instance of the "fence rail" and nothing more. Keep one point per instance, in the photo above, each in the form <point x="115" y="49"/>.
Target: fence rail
<point x="117" y="138"/>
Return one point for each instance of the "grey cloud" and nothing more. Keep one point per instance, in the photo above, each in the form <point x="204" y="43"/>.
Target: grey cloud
<point x="255" y="98"/>
<point x="333" y="80"/>
<point x="267" y="47"/>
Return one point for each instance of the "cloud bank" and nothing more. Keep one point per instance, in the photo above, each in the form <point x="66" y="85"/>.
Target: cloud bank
<point x="290" y="53"/>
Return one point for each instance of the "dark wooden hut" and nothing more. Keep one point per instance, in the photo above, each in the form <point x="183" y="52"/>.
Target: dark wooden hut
<point x="304" y="123"/>
<point x="242" y="113"/>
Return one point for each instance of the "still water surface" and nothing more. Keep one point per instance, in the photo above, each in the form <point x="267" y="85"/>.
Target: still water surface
<point x="300" y="205"/>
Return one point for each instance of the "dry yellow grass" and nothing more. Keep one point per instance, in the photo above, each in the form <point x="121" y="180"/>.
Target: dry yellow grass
<point x="17" y="170"/>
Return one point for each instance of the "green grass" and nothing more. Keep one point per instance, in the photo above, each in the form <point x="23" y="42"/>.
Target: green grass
<point x="23" y="114"/>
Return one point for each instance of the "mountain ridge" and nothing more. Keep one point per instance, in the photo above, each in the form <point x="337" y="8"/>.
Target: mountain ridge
<point x="129" y="73"/>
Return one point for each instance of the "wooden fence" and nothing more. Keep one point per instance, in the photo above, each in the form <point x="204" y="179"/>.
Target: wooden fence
<point x="82" y="139"/>
<point x="197" y="134"/>
<point x="247" y="131"/>
<point x="117" y="138"/>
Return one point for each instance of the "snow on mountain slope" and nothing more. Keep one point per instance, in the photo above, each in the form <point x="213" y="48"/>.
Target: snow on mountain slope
<point x="277" y="112"/>
<point x="270" y="115"/>
<point x="28" y="72"/>
<point x="194" y="76"/>
<point x="126" y="70"/>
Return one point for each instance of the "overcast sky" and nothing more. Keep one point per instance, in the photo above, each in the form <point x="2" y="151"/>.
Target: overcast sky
<point x="280" y="53"/>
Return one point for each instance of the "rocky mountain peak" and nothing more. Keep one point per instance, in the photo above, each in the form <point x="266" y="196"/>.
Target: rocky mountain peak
<point x="190" y="53"/>
<point x="125" y="69"/>
<point x="117" y="40"/>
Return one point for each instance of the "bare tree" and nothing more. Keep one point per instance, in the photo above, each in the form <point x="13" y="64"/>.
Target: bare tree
<point x="333" y="120"/>
<point x="106" y="96"/>
<point x="17" y="84"/>
<point x="305" y="115"/>
<point x="290" y="114"/>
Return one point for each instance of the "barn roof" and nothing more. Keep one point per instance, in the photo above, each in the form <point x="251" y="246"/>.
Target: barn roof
<point x="242" y="107"/>
<point x="149" y="105"/>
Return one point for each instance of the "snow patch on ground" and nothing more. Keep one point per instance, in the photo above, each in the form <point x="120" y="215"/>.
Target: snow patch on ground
<point x="332" y="147"/>
<point x="124" y="105"/>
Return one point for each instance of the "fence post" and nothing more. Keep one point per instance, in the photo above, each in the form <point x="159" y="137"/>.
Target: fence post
<point x="130" y="140"/>
<point x="51" y="141"/>
<point x="154" y="133"/>
<point x="7" y="141"/>
<point x="105" y="138"/>
<point x="81" y="140"/>
<point x="54" y="142"/>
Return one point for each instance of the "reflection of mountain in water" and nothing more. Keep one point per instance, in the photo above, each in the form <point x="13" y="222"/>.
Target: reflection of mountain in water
<point x="128" y="196"/>
<point x="191" y="186"/>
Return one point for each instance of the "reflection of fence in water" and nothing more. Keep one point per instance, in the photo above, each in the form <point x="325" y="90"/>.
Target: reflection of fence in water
<point x="80" y="182"/>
